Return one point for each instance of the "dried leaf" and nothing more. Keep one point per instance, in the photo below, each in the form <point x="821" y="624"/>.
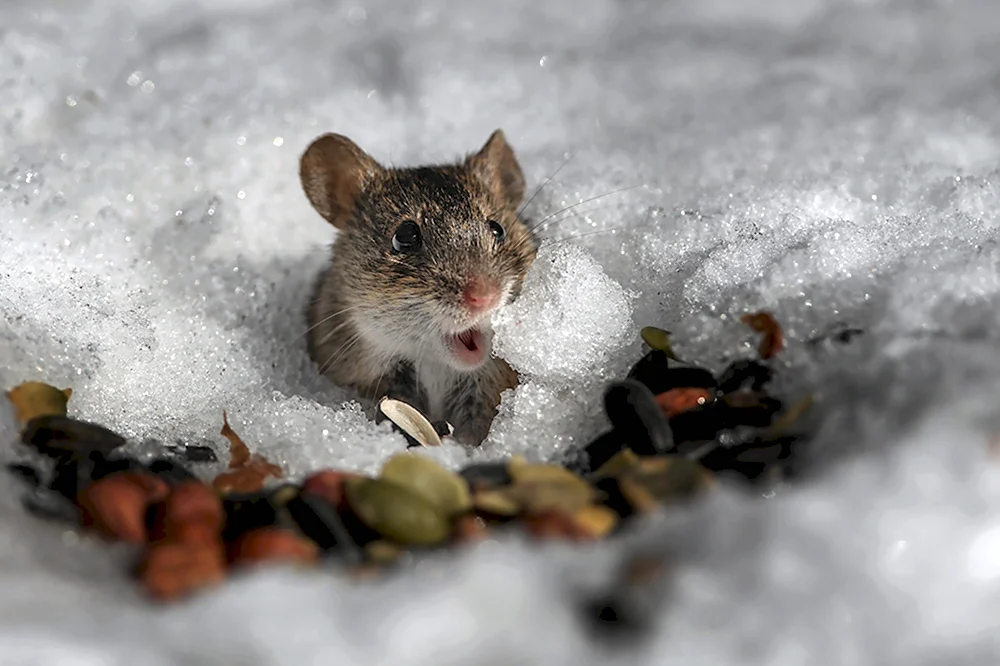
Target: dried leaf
<point x="34" y="399"/>
<point x="773" y="341"/>
<point x="679" y="400"/>
<point x="239" y="453"/>
<point x="248" y="473"/>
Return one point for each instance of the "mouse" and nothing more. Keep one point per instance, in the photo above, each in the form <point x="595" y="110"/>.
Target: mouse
<point x="422" y="258"/>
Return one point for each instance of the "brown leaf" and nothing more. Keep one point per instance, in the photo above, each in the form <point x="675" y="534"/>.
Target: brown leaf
<point x="239" y="453"/>
<point x="773" y="341"/>
<point x="679" y="400"/>
<point x="248" y="479"/>
<point x="247" y="472"/>
<point x="34" y="399"/>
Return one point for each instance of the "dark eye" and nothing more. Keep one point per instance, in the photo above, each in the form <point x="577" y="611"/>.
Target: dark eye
<point x="498" y="231"/>
<point x="407" y="237"/>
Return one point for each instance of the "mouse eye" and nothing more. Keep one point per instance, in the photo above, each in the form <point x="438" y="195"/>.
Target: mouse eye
<point x="407" y="237"/>
<point x="498" y="231"/>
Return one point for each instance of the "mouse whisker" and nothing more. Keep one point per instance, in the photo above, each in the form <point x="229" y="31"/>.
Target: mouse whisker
<point x="538" y="239"/>
<point x="343" y="349"/>
<point x="548" y="180"/>
<point x="331" y="333"/>
<point x="403" y="339"/>
<point x="547" y="218"/>
<point x="612" y="230"/>
<point x="328" y="318"/>
<point x="644" y="223"/>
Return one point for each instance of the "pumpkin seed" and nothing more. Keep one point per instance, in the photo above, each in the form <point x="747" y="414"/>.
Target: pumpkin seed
<point x="396" y="512"/>
<point x="445" y="490"/>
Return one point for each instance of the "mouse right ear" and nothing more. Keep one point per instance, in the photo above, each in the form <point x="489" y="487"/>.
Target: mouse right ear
<point x="333" y="170"/>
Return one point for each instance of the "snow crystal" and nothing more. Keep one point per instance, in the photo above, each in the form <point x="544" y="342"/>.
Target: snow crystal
<point x="571" y="319"/>
<point x="833" y="162"/>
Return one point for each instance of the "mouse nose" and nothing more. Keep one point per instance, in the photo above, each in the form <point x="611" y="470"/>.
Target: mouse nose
<point x="481" y="294"/>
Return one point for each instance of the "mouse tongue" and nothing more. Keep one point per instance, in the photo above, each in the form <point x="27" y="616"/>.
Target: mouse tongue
<point x="468" y="346"/>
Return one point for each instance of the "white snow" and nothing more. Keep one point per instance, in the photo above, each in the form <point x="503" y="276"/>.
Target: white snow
<point x="835" y="162"/>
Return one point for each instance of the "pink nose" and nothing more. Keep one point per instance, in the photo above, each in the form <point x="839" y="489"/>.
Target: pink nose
<point x="481" y="294"/>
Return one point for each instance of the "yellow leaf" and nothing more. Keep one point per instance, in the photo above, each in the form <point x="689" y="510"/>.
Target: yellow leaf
<point x="34" y="399"/>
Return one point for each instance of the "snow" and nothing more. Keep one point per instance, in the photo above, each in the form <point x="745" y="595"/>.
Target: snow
<point x="835" y="162"/>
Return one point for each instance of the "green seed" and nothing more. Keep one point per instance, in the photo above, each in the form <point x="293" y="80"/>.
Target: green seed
<point x="658" y="339"/>
<point x="422" y="476"/>
<point x="396" y="512"/>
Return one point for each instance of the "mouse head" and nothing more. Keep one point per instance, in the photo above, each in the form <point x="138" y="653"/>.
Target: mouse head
<point x="425" y="255"/>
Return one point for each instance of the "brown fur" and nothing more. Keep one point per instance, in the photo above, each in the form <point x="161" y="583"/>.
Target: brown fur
<point x="376" y="312"/>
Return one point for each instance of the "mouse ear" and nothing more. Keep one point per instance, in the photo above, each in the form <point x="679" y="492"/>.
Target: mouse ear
<point x="333" y="170"/>
<point x="497" y="166"/>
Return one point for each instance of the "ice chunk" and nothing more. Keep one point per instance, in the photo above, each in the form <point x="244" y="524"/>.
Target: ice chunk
<point x="571" y="321"/>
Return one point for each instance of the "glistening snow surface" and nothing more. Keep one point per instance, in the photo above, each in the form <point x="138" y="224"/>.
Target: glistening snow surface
<point x="833" y="161"/>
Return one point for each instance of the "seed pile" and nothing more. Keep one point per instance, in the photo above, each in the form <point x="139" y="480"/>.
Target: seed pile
<point x="664" y="447"/>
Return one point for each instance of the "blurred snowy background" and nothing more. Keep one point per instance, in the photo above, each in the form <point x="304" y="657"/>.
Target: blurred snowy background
<point x="835" y="161"/>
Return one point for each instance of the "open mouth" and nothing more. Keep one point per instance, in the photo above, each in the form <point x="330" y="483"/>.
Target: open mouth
<point x="468" y="346"/>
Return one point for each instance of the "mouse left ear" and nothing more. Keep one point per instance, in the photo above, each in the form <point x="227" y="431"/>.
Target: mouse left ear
<point x="497" y="166"/>
<point x="333" y="171"/>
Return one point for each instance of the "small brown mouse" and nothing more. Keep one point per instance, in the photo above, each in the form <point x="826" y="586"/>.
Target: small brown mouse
<point x="423" y="258"/>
